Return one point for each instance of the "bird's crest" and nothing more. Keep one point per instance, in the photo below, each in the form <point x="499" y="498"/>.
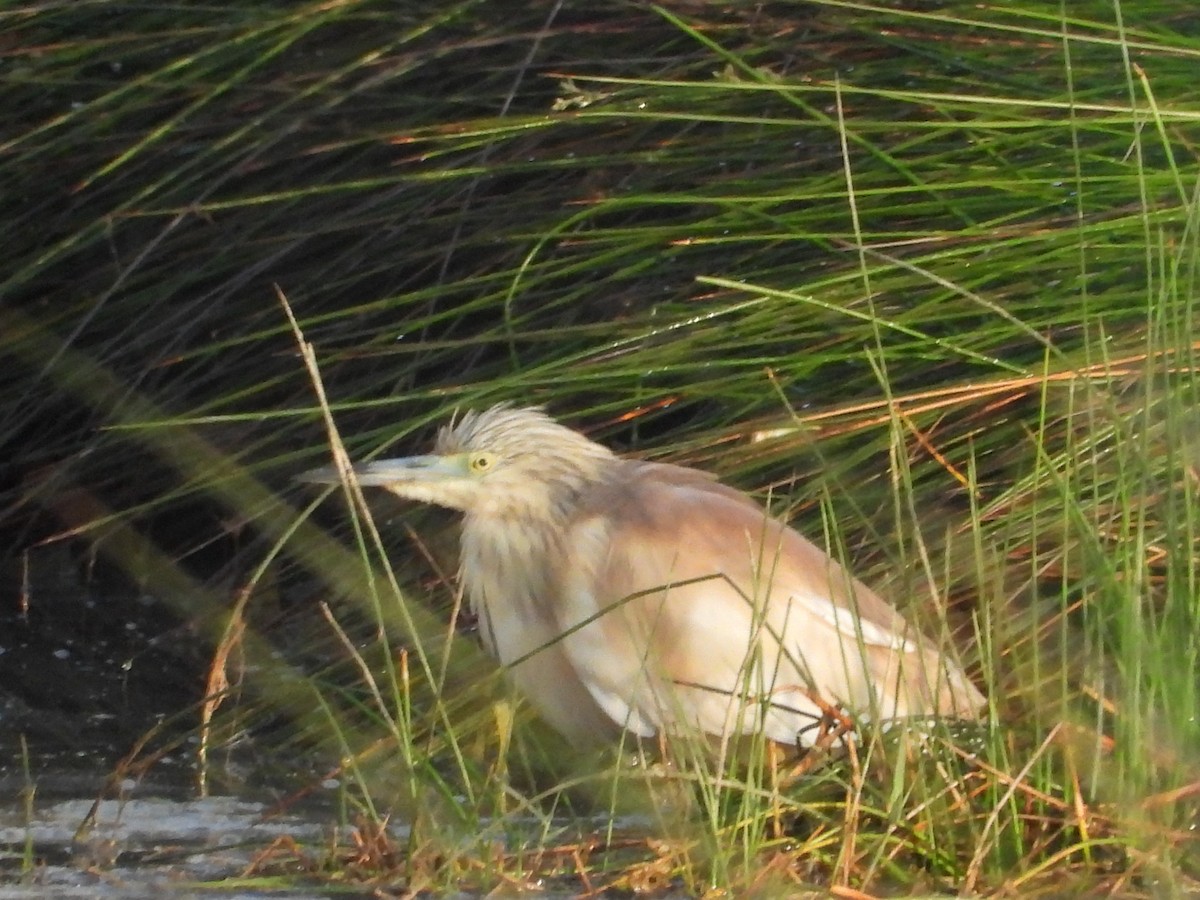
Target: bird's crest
<point x="512" y="432"/>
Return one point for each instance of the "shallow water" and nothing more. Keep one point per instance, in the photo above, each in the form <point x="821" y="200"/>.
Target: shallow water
<point x="84" y="676"/>
<point x="140" y="847"/>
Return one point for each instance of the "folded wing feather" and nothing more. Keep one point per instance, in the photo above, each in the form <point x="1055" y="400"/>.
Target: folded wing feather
<point x="703" y="613"/>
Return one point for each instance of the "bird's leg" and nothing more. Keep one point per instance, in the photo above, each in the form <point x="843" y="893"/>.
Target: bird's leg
<point x="834" y="725"/>
<point x="832" y="728"/>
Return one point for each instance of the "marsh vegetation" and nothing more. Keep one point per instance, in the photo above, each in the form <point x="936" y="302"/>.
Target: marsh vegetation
<point x="921" y="276"/>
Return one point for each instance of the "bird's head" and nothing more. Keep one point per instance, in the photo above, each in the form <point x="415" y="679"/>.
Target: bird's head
<point x="500" y="462"/>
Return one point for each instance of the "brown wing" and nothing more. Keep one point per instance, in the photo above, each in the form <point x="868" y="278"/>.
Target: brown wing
<point x="688" y="608"/>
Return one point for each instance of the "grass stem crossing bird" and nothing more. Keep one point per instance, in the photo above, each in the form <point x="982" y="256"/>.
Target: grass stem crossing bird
<point x="651" y="598"/>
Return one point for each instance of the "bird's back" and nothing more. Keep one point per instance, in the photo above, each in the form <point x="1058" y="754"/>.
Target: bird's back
<point x="688" y="607"/>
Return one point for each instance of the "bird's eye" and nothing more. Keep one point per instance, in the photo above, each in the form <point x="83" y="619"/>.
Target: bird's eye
<point x="482" y="462"/>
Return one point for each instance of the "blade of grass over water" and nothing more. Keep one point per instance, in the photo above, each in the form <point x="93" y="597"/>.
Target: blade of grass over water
<point x="922" y="278"/>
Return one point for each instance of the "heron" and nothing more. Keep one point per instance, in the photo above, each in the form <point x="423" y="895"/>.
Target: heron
<point x="647" y="598"/>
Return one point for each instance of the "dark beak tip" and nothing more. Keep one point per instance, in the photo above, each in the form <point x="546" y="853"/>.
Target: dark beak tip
<point x="317" y="476"/>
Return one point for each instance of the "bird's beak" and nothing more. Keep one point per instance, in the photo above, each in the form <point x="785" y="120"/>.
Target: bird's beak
<point x="402" y="470"/>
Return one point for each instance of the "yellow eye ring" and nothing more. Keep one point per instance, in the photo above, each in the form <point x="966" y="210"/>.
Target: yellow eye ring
<point x="482" y="462"/>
